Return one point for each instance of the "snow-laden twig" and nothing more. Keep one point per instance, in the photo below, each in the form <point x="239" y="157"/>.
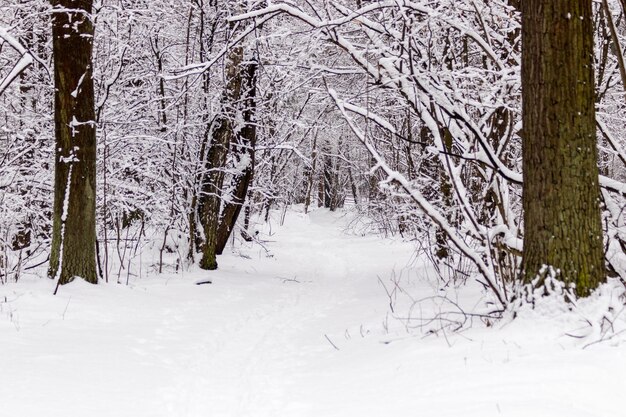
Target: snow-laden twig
<point x="612" y="140"/>
<point x="25" y="59"/>
<point x="423" y="203"/>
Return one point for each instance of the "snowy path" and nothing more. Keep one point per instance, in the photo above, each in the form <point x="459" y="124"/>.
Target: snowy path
<point x="259" y="342"/>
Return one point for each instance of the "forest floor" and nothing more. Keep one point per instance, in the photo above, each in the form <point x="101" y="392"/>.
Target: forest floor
<point x="300" y="327"/>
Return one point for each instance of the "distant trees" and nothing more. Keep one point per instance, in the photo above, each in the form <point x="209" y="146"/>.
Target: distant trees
<point x="26" y="139"/>
<point x="456" y="154"/>
<point x="73" y="251"/>
<point x="22" y="61"/>
<point x="207" y="109"/>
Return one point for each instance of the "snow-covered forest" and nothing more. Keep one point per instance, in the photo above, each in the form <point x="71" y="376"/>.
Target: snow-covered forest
<point x="312" y="207"/>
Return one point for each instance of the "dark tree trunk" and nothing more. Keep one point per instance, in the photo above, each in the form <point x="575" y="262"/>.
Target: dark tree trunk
<point x="328" y="180"/>
<point x="562" y="227"/>
<point x="210" y="195"/>
<point x="209" y="202"/>
<point x="246" y="145"/>
<point x="74" y="220"/>
<point x="447" y="197"/>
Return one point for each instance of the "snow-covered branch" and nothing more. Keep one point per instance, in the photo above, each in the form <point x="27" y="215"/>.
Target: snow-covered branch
<point x="23" y="62"/>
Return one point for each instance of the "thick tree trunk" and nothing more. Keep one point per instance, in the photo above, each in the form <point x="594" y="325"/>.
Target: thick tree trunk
<point x="74" y="220"/>
<point x="244" y="150"/>
<point x="210" y="196"/>
<point x="562" y="227"/>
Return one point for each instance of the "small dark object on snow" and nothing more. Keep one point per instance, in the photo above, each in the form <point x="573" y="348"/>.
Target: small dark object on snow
<point x="206" y="281"/>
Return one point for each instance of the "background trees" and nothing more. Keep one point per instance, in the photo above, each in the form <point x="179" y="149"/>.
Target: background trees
<point x="409" y="110"/>
<point x="26" y="142"/>
<point x="461" y="91"/>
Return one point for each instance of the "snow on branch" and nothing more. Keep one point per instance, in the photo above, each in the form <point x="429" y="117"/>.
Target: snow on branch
<point x="426" y="11"/>
<point x="199" y="68"/>
<point x="25" y="59"/>
<point x="286" y="147"/>
<point x="431" y="211"/>
<point x="421" y="92"/>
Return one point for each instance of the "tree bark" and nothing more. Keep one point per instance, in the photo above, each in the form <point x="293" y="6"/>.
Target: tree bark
<point x="209" y="203"/>
<point x="562" y="227"/>
<point x="246" y="145"/>
<point x="73" y="250"/>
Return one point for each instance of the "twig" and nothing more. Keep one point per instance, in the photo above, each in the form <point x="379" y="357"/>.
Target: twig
<point x="66" y="306"/>
<point x="331" y="342"/>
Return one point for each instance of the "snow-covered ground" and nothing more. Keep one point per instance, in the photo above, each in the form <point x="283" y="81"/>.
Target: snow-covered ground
<point x="302" y="327"/>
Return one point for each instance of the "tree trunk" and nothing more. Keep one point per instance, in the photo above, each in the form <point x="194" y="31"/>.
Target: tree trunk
<point x="246" y="145"/>
<point x="562" y="227"/>
<point x="328" y="180"/>
<point x="210" y="196"/>
<point x="74" y="220"/>
<point x="311" y="177"/>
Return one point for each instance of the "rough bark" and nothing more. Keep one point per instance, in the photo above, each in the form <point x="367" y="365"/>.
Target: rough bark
<point x="562" y="227"/>
<point x="209" y="202"/>
<point x="74" y="220"/>
<point x="245" y="146"/>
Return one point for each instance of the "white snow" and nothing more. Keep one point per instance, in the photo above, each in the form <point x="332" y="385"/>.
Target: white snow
<point x="24" y="61"/>
<point x="301" y="330"/>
